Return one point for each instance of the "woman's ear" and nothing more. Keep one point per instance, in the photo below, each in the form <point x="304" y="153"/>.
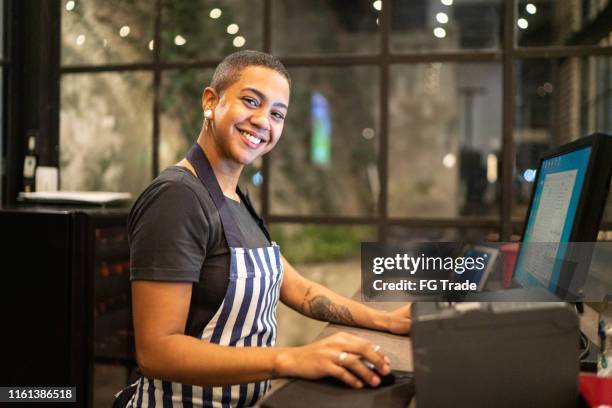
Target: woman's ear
<point x="210" y="98"/>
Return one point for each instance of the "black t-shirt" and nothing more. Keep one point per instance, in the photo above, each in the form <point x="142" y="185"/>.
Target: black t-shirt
<point x="175" y="234"/>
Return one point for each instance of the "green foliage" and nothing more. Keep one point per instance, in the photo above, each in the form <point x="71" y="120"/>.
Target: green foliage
<point x="318" y="243"/>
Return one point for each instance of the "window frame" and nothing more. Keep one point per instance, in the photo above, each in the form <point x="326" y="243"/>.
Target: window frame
<point x="507" y="55"/>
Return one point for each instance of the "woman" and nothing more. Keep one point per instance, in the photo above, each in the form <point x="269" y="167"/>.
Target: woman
<point x="206" y="277"/>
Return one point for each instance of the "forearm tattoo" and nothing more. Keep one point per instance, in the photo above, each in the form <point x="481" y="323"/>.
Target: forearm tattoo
<point x="305" y="299"/>
<point x="322" y="308"/>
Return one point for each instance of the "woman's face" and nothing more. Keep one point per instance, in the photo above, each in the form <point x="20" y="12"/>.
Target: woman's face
<point x="250" y="113"/>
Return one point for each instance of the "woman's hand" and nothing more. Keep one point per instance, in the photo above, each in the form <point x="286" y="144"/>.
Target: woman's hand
<point x="322" y="359"/>
<point x="399" y="320"/>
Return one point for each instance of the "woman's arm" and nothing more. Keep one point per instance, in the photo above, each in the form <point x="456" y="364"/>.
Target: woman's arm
<point x="163" y="351"/>
<point x="316" y="301"/>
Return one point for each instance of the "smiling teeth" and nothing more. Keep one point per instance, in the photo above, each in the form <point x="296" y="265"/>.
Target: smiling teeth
<point x="252" y="139"/>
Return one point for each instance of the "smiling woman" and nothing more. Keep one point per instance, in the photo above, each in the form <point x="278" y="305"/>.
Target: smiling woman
<point x="253" y="108"/>
<point x="206" y="276"/>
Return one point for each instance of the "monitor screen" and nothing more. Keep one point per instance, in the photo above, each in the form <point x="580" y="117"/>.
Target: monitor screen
<point x="551" y="216"/>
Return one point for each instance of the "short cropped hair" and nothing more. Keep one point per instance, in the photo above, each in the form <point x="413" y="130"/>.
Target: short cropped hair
<point x="228" y="71"/>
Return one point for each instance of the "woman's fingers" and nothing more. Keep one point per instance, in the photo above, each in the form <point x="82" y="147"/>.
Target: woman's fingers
<point x="353" y="362"/>
<point x="366" y="349"/>
<point x="345" y="376"/>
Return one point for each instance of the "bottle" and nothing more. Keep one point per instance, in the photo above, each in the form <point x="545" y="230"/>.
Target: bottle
<point x="29" y="165"/>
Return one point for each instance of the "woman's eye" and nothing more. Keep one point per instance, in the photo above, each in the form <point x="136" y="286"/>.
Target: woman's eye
<point x="278" y="115"/>
<point x="250" y="101"/>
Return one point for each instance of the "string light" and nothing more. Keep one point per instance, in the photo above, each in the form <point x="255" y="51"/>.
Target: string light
<point x="368" y="133"/>
<point x="239" y="41"/>
<point x="232" y="29"/>
<point x="442" y="18"/>
<point x="439" y="32"/>
<point x="531" y="8"/>
<point x="449" y="160"/>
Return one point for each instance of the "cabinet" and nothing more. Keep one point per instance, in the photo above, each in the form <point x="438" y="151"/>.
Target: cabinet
<point x="66" y="300"/>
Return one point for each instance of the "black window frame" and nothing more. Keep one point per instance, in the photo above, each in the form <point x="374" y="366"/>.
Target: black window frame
<point x="47" y="105"/>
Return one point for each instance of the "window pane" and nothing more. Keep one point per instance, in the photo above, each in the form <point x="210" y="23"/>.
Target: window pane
<point x="329" y="255"/>
<point x="104" y="32"/>
<point x="305" y="244"/>
<point x="444" y="139"/>
<point x="554" y="22"/>
<point x="325" y="27"/>
<point x="205" y="29"/>
<point x="326" y="161"/>
<point x="105" y="132"/>
<point x="180" y="112"/>
<point x="432" y="25"/>
<point x="181" y="120"/>
<point x="557" y="101"/>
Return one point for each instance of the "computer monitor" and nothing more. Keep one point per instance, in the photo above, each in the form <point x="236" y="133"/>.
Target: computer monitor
<point x="567" y="203"/>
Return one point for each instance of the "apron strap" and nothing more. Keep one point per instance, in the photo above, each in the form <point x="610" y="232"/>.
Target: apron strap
<point x="203" y="169"/>
<point x="246" y="199"/>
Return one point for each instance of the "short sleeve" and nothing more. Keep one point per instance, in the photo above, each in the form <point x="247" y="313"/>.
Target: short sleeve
<point x="168" y="233"/>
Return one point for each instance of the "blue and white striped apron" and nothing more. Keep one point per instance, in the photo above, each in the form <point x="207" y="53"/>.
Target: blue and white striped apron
<point x="246" y="317"/>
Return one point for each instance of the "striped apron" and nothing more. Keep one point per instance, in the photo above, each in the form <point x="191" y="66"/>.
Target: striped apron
<point x="246" y="317"/>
